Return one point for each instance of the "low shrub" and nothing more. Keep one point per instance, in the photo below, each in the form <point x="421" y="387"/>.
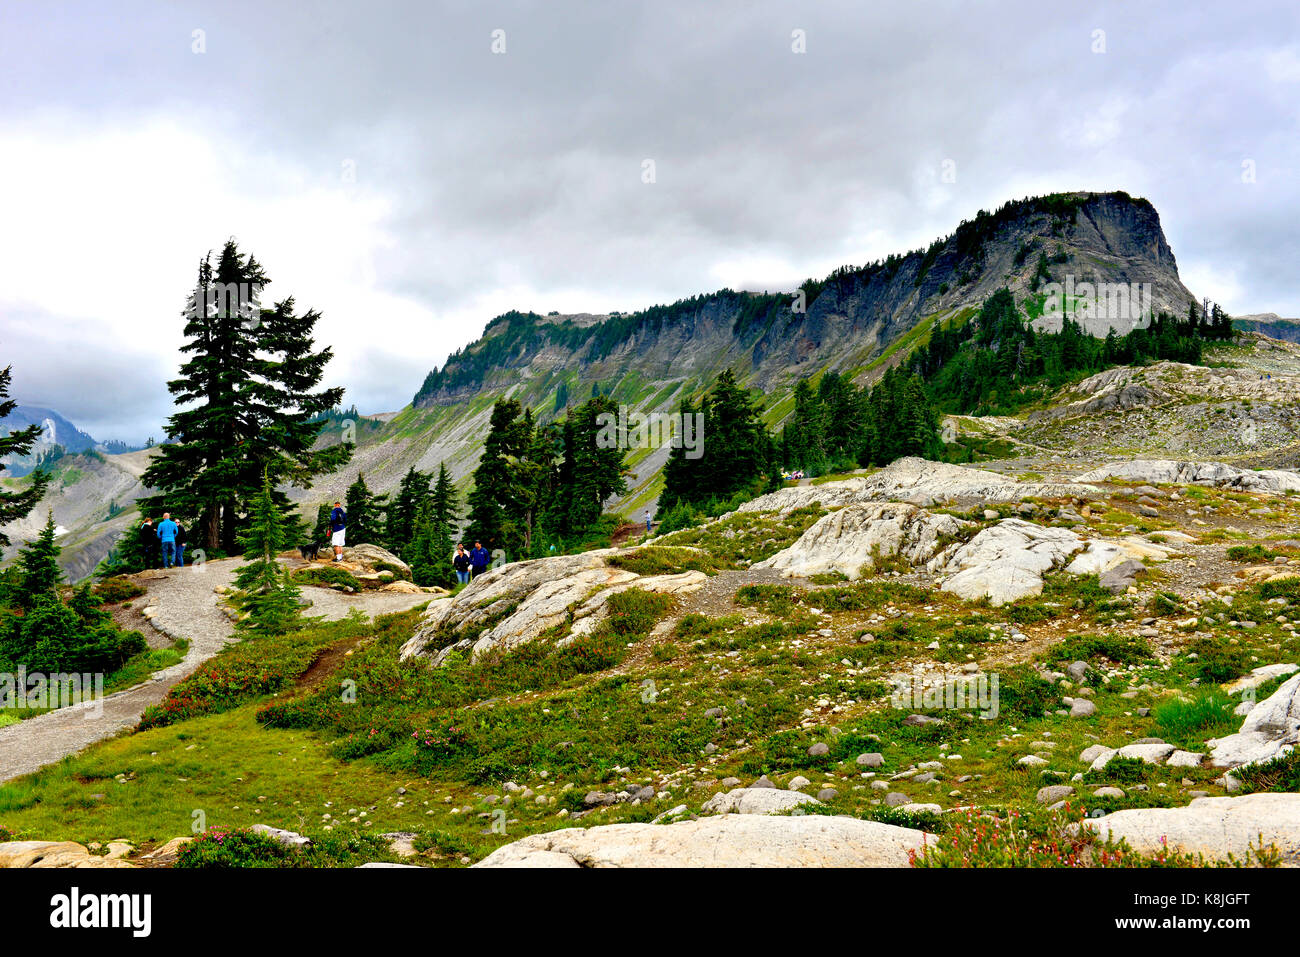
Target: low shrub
<point x="219" y="848"/>
<point x="117" y="589"/>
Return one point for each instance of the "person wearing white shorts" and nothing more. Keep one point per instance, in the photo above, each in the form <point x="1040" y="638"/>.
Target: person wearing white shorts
<point x="338" y="528"/>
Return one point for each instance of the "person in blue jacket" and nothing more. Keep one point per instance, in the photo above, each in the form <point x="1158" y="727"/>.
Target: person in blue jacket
<point x="167" y="537"/>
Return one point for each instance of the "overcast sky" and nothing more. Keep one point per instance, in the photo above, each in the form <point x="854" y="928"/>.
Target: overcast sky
<point x="391" y="170"/>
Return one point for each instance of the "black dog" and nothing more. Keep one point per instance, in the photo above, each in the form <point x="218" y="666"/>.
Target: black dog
<point x="309" y="552"/>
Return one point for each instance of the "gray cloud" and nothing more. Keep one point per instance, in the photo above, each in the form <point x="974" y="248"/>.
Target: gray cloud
<point x="519" y="175"/>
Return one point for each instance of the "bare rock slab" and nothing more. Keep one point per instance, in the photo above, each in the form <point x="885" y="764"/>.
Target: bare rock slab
<point x="733" y="840"/>
<point x="1212" y="826"/>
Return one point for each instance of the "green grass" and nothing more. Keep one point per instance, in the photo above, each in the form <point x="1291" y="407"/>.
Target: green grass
<point x="1192" y="720"/>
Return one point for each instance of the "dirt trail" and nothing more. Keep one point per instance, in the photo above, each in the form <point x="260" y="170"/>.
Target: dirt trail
<point x="185" y="605"/>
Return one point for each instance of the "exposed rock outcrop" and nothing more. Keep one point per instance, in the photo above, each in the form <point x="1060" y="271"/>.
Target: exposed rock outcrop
<point x="852" y="539"/>
<point x="1006" y="561"/>
<point x="1215" y="827"/>
<point x="1196" y="473"/>
<point x="917" y="482"/>
<point x="731" y="840"/>
<point x="1271" y="728"/>
<point x="43" y="854"/>
<point x="512" y="605"/>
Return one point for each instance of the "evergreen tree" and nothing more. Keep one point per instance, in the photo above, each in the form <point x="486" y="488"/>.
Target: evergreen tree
<point x="320" y="533"/>
<point x="499" y="498"/>
<point x="43" y="633"/>
<point x="592" y="474"/>
<point x="412" y="492"/>
<point x="736" y="449"/>
<point x="245" y="405"/>
<point x="267" y="594"/>
<point x="431" y="550"/>
<point x="17" y="505"/>
<point x="360" y="506"/>
<point x="445" y="499"/>
<point x="39" y="574"/>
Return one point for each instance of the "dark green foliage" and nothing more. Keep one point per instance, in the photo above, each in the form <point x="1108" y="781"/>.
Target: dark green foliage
<point x="997" y="362"/>
<point x="1119" y="648"/>
<point x="42" y="632"/>
<point x="737" y="452"/>
<point x="267" y="595"/>
<point x="541" y="486"/>
<point x="16" y="505"/>
<point x="1279" y="774"/>
<point x="246" y="408"/>
<point x="1218" y="661"/>
<point x="364" y="518"/>
<point x="326" y="575"/>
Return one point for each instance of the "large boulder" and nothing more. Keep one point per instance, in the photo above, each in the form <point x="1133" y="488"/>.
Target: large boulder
<point x="48" y="854"/>
<point x="731" y="840"/>
<point x="852" y="539"/>
<point x="1196" y="473"/>
<point x="756" y="801"/>
<point x="918" y="482"/>
<point x="512" y="605"/>
<point x="1271" y="728"/>
<point x="1211" y="826"/>
<point x="1006" y="561"/>
<point x="372" y="557"/>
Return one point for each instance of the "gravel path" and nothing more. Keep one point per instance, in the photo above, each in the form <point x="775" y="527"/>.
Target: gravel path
<point x="185" y="605"/>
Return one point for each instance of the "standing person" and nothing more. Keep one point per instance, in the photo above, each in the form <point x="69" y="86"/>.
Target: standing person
<point x="167" y="537"/>
<point x="180" y="545"/>
<point x="478" y="560"/>
<point x="460" y="561"/>
<point x="149" y="543"/>
<point x="338" y="528"/>
<point x="649" y="520"/>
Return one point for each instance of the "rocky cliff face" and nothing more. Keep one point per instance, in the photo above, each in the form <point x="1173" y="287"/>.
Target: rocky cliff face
<point x="857" y="321"/>
<point x="843" y="323"/>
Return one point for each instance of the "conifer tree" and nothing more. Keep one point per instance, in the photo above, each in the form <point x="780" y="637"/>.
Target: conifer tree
<point x="404" y="513"/>
<point x="39" y="574"/>
<point x="445" y="499"/>
<point x="267" y="594"/>
<point x="245" y="405"/>
<point x="362" y="520"/>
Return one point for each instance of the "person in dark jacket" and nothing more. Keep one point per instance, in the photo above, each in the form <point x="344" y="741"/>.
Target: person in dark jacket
<point x="338" y="529"/>
<point x="460" y="561"/>
<point x="478" y="559"/>
<point x="180" y="545"/>
<point x="150" y="547"/>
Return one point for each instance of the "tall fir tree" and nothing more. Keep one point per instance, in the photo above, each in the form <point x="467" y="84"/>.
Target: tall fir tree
<point x="245" y="405"/>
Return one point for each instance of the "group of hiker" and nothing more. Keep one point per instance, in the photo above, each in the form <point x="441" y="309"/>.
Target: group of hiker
<point x="471" y="564"/>
<point x="468" y="565"/>
<point x="162" y="546"/>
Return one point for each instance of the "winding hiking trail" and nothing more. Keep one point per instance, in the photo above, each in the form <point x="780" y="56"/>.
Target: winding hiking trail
<point x="184" y="605"/>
